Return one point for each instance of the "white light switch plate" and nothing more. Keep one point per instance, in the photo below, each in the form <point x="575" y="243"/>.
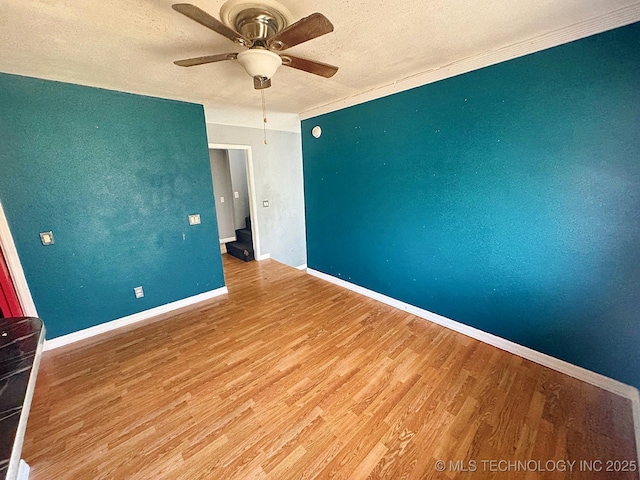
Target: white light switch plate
<point x="221" y="199"/>
<point x="236" y="195"/>
<point x="265" y="203"/>
<point x="139" y="292"/>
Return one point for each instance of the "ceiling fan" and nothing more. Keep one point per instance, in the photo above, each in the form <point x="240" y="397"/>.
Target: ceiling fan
<point x="265" y="27"/>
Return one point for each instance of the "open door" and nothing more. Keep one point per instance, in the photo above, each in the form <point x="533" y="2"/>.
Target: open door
<point x="9" y="302"/>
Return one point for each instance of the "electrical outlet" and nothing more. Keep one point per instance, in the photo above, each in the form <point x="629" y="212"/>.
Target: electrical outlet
<point x="236" y="194"/>
<point x="139" y="292"/>
<point x="194" y="219"/>
<point x="265" y="203"/>
<point x="47" y="238"/>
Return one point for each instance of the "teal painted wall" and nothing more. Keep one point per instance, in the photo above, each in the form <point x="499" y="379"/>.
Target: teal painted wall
<point x="114" y="176"/>
<point x="507" y="199"/>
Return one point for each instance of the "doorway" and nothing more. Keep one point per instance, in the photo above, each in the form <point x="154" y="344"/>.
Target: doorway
<point x="235" y="200"/>
<point x="16" y="297"/>
<point x="9" y="302"/>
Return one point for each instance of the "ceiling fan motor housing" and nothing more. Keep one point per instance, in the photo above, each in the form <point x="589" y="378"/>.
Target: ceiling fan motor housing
<point x="256" y="20"/>
<point x="256" y="24"/>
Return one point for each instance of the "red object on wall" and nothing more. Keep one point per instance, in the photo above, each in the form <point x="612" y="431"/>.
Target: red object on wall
<point x="9" y="302"/>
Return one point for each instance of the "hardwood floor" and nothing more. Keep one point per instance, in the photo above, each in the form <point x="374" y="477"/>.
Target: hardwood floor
<point x="289" y="376"/>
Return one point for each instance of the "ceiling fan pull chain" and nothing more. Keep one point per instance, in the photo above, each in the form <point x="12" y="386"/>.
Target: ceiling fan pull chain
<point x="264" y="116"/>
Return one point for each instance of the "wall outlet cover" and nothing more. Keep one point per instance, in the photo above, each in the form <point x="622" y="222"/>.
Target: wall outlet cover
<point x="265" y="203"/>
<point x="194" y="219"/>
<point x="138" y="291"/>
<point x="47" y="238"/>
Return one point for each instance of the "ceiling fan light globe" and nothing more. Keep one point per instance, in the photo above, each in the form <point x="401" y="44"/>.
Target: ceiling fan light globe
<point x="259" y="63"/>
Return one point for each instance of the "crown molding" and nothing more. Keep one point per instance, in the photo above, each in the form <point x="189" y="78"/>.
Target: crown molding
<point x="609" y="21"/>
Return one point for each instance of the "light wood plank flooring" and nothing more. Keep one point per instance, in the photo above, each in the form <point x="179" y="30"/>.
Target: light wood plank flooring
<point x="289" y="376"/>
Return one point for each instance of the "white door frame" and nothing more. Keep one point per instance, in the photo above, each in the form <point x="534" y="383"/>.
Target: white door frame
<point x="253" y="203"/>
<point x="15" y="267"/>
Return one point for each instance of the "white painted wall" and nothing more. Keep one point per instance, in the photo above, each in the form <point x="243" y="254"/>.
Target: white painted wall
<point x="277" y="169"/>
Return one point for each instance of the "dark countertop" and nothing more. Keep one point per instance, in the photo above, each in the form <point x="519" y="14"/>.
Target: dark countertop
<point x="20" y="340"/>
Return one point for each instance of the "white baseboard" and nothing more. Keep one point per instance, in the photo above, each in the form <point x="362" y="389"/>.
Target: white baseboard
<point x="561" y="366"/>
<point x="229" y="239"/>
<point x="302" y="267"/>
<point x="130" y="319"/>
<point x="593" y="378"/>
<point x="23" y="471"/>
<point x="266" y="256"/>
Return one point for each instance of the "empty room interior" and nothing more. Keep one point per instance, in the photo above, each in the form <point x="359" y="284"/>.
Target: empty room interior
<point x="260" y="239"/>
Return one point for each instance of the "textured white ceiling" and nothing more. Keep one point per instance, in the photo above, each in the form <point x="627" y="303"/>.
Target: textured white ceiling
<point x="130" y="45"/>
